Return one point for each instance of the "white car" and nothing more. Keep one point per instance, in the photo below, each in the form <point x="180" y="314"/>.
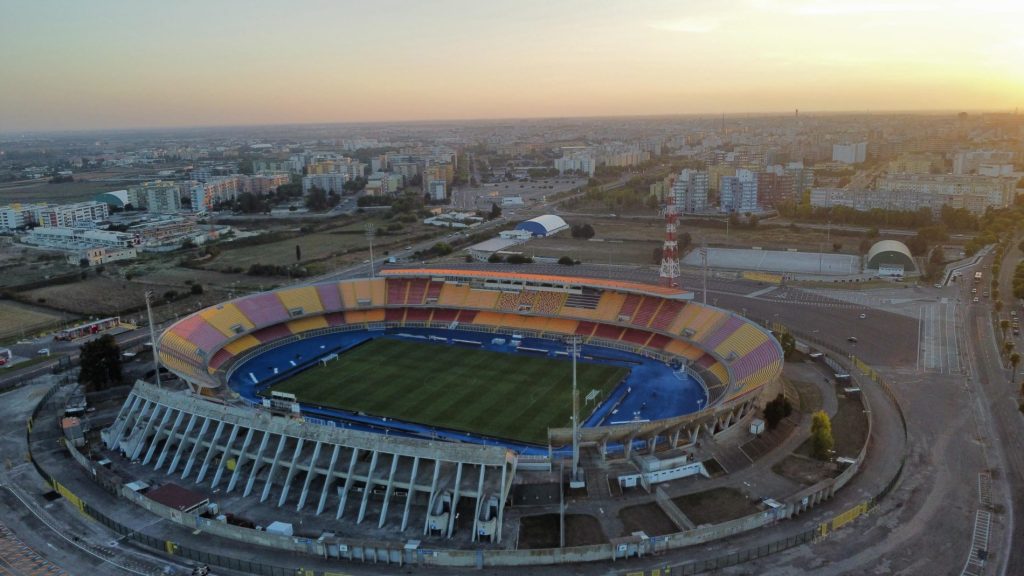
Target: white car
<point x="938" y="285"/>
<point x="43" y="352"/>
<point x="863" y="316"/>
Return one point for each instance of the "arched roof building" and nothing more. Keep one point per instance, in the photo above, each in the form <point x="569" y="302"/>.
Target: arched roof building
<point x="545" y="225"/>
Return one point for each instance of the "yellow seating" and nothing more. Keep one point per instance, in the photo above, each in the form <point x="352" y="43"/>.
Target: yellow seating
<point x="306" y="324"/>
<point x="453" y="295"/>
<point x="224" y="317"/>
<point x="242" y="344"/>
<point x="305" y="298"/>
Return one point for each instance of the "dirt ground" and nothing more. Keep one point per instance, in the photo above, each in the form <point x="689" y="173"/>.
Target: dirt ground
<point x="715" y="506"/>
<point x="803" y="469"/>
<point x="647" y="517"/>
<point x="543" y="531"/>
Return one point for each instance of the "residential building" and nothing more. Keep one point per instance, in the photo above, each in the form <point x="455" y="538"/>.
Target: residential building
<point x="62" y="238"/>
<point x="334" y="182"/>
<point x="266" y="183"/>
<point x="97" y="256"/>
<point x="436" y="190"/>
<point x="157" y="196"/>
<point x="690" y="191"/>
<point x="576" y="159"/>
<point x="68" y="215"/>
<point x="15" y="216"/>
<point x="775" y="187"/>
<point x="739" y="193"/>
<point x="854" y="153"/>
<point x="969" y="161"/>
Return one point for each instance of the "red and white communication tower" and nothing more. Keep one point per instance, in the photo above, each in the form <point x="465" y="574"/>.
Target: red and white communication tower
<point x="670" y="250"/>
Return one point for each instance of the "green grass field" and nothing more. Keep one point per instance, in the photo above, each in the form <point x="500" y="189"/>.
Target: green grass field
<point x="508" y="396"/>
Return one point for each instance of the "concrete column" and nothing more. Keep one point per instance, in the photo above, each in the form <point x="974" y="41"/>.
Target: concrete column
<point x="387" y="490"/>
<point x="310" y="473"/>
<point x="273" y="468"/>
<point x="292" y="468"/>
<point x="433" y="496"/>
<point x="257" y="463"/>
<point x="367" y="487"/>
<point x="411" y="493"/>
<point x="455" y="499"/>
<point x="210" y="451"/>
<point x="225" y="455"/>
<point x="328" y="480"/>
<point x="127" y="409"/>
<point x="170" y="439"/>
<point x="181" y="444"/>
<point x="156" y="436"/>
<point x="479" y="502"/>
<point x="195" y="448"/>
<point x="144" y="431"/>
<point x="242" y="454"/>
<point x="349" y="478"/>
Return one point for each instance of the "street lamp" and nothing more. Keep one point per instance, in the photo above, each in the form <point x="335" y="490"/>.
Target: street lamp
<point x="369" y="236"/>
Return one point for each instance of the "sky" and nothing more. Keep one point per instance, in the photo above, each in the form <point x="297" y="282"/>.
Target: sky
<point x="110" y="64"/>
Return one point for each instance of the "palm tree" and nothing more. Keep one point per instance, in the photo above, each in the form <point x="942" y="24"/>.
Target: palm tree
<point x="1014" y="361"/>
<point x="999" y="306"/>
<point x="1008" y="346"/>
<point x="1004" y="324"/>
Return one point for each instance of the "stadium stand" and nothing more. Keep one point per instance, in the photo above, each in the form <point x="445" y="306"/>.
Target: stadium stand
<point x="453" y="295"/>
<point x="724" y="330"/>
<point x="242" y="344"/>
<point x="607" y="310"/>
<point x="587" y="299"/>
<point x="306" y="324"/>
<point x="272" y="333"/>
<point x="665" y="315"/>
<point x="304" y="299"/>
<point x="330" y="296"/>
<point x="629" y="306"/>
<point x="263" y="309"/>
<point x="646" y="310"/>
<point x="433" y="291"/>
<point x="227" y="318"/>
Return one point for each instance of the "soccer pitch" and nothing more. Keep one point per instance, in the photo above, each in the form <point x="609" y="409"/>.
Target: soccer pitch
<point x="509" y="396"/>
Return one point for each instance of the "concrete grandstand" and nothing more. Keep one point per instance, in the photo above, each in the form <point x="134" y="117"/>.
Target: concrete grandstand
<point x="220" y="429"/>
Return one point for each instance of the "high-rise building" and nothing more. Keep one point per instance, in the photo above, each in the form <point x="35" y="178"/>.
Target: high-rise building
<point x="739" y="193"/>
<point x="156" y="196"/>
<point x="855" y="153"/>
<point x="436" y="190"/>
<point x="691" y="191"/>
<point x="775" y="187"/>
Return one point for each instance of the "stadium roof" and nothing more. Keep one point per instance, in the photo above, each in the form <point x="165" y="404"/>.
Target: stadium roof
<point x="543" y="225"/>
<point x="650" y="289"/>
<point x="889" y="252"/>
<point x="117" y="198"/>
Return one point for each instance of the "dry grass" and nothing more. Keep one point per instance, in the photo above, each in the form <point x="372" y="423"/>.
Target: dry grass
<point x="17" y="319"/>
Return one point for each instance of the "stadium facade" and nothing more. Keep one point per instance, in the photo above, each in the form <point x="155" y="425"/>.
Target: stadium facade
<point x="207" y="434"/>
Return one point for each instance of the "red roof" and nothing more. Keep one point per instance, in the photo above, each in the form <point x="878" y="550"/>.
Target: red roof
<point x="174" y="496"/>
<point x="652" y="289"/>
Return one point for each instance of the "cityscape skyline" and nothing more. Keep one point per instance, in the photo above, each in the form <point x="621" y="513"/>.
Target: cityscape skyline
<point x="231" y="64"/>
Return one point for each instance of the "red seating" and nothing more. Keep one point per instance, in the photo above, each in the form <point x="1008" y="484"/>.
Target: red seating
<point x="335" y="319"/>
<point x="608" y="332"/>
<point x="629" y="305"/>
<point x="219" y="358"/>
<point x="417" y="314"/>
<point x="445" y="315"/>
<point x="272" y="333"/>
<point x="666" y="314"/>
<point x="466" y="315"/>
<point x="636" y="336"/>
<point x="645" y="311"/>
<point x="585" y="328"/>
<point x="659" y="341"/>
<point x="434" y="290"/>
<point x="396" y="290"/>
<point x="394" y="314"/>
<point x="417" y="288"/>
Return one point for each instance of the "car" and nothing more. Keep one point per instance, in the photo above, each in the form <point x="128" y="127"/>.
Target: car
<point x="863" y="316"/>
<point x="938" y="285"/>
<point x="1013" y="313"/>
<point x="985" y="294"/>
<point x="408" y="247"/>
<point x="43" y="352"/>
<point x="852" y="339"/>
<point x="975" y="300"/>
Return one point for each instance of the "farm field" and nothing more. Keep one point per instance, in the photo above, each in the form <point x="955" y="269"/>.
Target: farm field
<point x="101" y="296"/>
<point x="507" y="396"/>
<point x="17" y="319"/>
<point x="43" y="191"/>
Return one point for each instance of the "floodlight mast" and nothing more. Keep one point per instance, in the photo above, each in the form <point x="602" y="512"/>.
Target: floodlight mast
<point x="574" y="476"/>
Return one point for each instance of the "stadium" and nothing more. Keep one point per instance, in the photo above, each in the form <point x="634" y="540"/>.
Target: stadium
<point x="424" y="395"/>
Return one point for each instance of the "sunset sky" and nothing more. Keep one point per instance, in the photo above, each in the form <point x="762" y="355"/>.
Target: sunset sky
<point x="120" y="64"/>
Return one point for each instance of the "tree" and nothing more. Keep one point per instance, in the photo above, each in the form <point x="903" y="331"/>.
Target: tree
<point x="101" y="364"/>
<point x="316" y="200"/>
<point x="864" y="246"/>
<point x="776" y="410"/>
<point x="917" y="245"/>
<point x="1004" y="324"/>
<point x="1008" y="346"/>
<point x="495" y="212"/>
<point x="83" y="263"/>
<point x="837" y="246"/>
<point x="788" y="344"/>
<point x="196" y="289"/>
<point x="999" y="306"/>
<point x="657" y="254"/>
<point x="821" y="436"/>
<point x="566" y="261"/>
<point x="298" y="253"/>
<point x="495" y="258"/>
<point x="1014" y="362"/>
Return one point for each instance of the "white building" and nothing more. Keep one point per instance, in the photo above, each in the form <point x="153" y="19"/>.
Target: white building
<point x="436" y="190"/>
<point x="329" y="182"/>
<point x="854" y="153"/>
<point x="157" y="196"/>
<point x="690" y="191"/>
<point x="15" y="216"/>
<point x="970" y="161"/>
<point x="78" y="238"/>
<point x="739" y="193"/>
<point x="576" y="159"/>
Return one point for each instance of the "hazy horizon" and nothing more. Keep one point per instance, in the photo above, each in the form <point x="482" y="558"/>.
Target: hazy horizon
<point x="116" y="64"/>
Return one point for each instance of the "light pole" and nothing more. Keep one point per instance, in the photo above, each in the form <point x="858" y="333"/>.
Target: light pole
<point x="152" y="337"/>
<point x="369" y="236"/>
<point x="574" y="480"/>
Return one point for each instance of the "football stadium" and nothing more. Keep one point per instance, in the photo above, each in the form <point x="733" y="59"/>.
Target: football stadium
<point x="424" y="395"/>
